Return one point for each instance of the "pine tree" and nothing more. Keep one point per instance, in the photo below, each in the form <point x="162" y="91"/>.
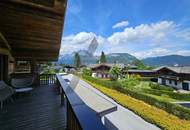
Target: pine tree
<point x="77" y="62"/>
<point x="102" y="58"/>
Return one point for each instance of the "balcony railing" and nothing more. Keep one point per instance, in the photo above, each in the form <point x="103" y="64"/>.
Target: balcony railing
<point x="47" y="79"/>
<point x="78" y="115"/>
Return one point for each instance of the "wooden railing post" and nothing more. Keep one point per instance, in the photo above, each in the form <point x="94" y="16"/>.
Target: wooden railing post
<point x="62" y="97"/>
<point x="47" y="79"/>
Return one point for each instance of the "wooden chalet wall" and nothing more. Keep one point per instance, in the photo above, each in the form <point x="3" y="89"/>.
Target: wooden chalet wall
<point x="101" y="68"/>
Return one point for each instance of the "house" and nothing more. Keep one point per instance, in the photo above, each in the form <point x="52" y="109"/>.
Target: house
<point x="102" y="70"/>
<point x="176" y="77"/>
<point x="143" y="73"/>
<point x="69" y="68"/>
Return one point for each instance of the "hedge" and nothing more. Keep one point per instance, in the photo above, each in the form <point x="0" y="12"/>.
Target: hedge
<point x="160" y="87"/>
<point x="177" y="96"/>
<point x="151" y="114"/>
<point x="177" y="110"/>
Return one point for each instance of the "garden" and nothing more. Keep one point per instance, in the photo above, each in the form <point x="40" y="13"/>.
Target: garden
<point x="151" y="101"/>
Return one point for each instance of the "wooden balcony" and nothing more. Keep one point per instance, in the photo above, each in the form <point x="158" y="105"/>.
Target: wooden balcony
<point x="55" y="105"/>
<point x="39" y="110"/>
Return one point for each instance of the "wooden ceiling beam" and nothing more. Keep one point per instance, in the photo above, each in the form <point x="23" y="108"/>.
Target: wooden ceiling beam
<point x="5" y="42"/>
<point x="41" y="8"/>
<point x="31" y="29"/>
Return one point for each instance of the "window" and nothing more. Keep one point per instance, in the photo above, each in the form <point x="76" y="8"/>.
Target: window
<point x="23" y="67"/>
<point x="175" y="82"/>
<point x="170" y="81"/>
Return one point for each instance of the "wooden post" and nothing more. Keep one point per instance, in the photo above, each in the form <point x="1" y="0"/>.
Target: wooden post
<point x="62" y="97"/>
<point x="34" y="72"/>
<point x="4" y="61"/>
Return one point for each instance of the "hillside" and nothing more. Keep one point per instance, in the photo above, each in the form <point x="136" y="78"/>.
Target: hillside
<point x="120" y="58"/>
<point x="87" y="59"/>
<point x="169" y="60"/>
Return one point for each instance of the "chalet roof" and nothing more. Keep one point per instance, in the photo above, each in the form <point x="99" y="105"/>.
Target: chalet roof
<point x="69" y="66"/>
<point x="183" y="69"/>
<point x="106" y="64"/>
<point x="141" y="71"/>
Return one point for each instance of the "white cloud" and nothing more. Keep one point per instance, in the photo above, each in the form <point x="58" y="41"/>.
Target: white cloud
<point x="145" y="40"/>
<point x="154" y="32"/>
<point x="79" y="41"/>
<point x="183" y="52"/>
<point x="152" y="52"/>
<point x="160" y="52"/>
<point x="121" y="24"/>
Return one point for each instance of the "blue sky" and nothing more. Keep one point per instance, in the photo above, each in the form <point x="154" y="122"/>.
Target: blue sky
<point x="143" y="28"/>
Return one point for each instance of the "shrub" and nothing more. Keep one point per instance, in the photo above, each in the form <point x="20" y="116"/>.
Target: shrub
<point x="106" y="83"/>
<point x="114" y="73"/>
<point x="160" y="87"/>
<point x="87" y="72"/>
<point x="130" y="81"/>
<point x="171" y="94"/>
<point x="174" y="109"/>
<point x="150" y="113"/>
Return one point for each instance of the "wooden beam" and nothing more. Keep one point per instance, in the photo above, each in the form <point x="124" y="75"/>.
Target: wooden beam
<point x="55" y="11"/>
<point x="4" y="51"/>
<point x="5" y="41"/>
<point x="32" y="29"/>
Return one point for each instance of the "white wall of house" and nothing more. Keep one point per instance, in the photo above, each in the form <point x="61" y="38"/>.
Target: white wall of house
<point x="171" y="83"/>
<point x="159" y="80"/>
<point x="94" y="75"/>
<point x="99" y="75"/>
<point x="168" y="82"/>
<point x="187" y="81"/>
<point x="176" y="84"/>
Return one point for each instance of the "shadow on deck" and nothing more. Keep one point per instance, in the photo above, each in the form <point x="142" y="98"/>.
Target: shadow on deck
<point x="39" y="111"/>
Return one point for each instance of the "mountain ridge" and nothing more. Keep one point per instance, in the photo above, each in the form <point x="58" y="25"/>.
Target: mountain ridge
<point x="168" y="60"/>
<point x="86" y="59"/>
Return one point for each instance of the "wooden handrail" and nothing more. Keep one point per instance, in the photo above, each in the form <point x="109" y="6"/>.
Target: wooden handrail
<point x="79" y="115"/>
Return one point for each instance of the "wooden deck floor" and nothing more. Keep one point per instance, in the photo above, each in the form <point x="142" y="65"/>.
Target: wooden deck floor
<point x="39" y="111"/>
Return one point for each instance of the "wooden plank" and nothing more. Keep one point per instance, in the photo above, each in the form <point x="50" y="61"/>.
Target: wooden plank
<point x="31" y="26"/>
<point x="56" y="10"/>
<point x="40" y="110"/>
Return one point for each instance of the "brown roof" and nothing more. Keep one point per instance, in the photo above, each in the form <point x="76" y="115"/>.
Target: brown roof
<point x="106" y="64"/>
<point x="184" y="69"/>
